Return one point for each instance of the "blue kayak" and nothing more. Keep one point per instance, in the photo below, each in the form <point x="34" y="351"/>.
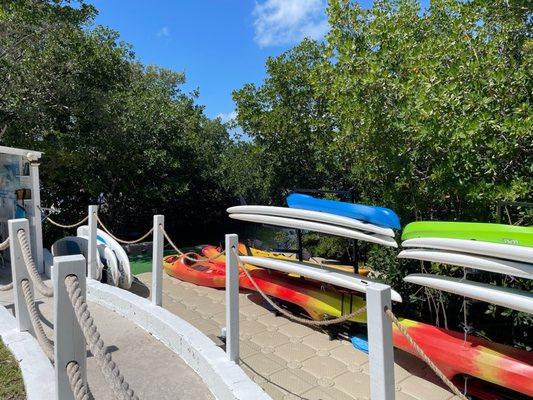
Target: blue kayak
<point x="379" y="216"/>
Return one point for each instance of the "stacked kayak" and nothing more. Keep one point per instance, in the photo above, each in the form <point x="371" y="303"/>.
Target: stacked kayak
<point x="453" y="352"/>
<point x="495" y="248"/>
<point x="307" y="294"/>
<point x="245" y="250"/>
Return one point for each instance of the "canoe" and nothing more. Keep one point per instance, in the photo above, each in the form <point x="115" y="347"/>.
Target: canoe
<point x="497" y="250"/>
<point x="314" y="216"/>
<point x="317" y="227"/>
<point x="456" y="355"/>
<point x="310" y="296"/>
<point x="379" y="216"/>
<point x="483" y="232"/>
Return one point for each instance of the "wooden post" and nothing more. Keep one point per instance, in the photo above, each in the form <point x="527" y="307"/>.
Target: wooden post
<point x="157" y="260"/>
<point x="232" y="298"/>
<point x="68" y="336"/>
<point x="92" y="250"/>
<point x="380" y="350"/>
<point x="19" y="273"/>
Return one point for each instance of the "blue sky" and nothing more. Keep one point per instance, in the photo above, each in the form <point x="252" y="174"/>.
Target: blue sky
<point x="219" y="44"/>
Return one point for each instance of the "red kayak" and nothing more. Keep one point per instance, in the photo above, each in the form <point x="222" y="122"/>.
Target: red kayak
<point x="488" y="361"/>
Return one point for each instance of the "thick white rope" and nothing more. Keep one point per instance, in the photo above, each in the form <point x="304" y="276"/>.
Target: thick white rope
<point x="326" y="322"/>
<point x="104" y="360"/>
<point x="79" y="388"/>
<point x="30" y="265"/>
<point x="66" y="226"/>
<point x="46" y="344"/>
<point x="4" y="245"/>
<point x="423" y="355"/>
<point x="122" y="240"/>
<point x="186" y="256"/>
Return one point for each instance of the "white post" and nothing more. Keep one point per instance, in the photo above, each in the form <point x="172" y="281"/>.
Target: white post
<point x="157" y="260"/>
<point x="232" y="298"/>
<point x="36" y="223"/>
<point x="92" y="250"/>
<point x="68" y="336"/>
<point x="20" y="273"/>
<point x="380" y="350"/>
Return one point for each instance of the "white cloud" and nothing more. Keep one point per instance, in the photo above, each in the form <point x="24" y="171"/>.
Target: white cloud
<point x="279" y="22"/>
<point x="227" y="117"/>
<point x="163" y="32"/>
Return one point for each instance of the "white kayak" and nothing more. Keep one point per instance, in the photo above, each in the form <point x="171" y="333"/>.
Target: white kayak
<point x="125" y="278"/>
<point x="498" y="250"/>
<point x="506" y="297"/>
<point x="316" y="227"/>
<point x="319" y="273"/>
<point x="497" y="265"/>
<point x="315" y="216"/>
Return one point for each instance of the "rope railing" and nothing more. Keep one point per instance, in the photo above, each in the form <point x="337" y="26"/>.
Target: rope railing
<point x="30" y="265"/>
<point x="104" y="360"/>
<point x="423" y="355"/>
<point x="79" y="388"/>
<point x="66" y="226"/>
<point x="326" y="322"/>
<point x="4" y="245"/>
<point x="46" y="344"/>
<point x="122" y="240"/>
<point x="185" y="255"/>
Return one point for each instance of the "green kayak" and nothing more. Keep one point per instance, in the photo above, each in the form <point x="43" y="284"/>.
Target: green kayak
<point x="483" y="232"/>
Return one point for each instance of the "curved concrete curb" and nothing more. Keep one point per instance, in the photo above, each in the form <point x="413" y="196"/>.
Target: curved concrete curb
<point x="225" y="379"/>
<point x="37" y="371"/>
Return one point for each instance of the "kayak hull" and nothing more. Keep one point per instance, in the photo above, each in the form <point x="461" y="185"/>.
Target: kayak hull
<point x="492" y="362"/>
<point x="484" y="232"/>
<point x="380" y="216"/>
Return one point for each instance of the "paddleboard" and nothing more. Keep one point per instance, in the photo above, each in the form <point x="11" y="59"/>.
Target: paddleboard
<point x="315" y="216"/>
<point x="506" y="297"/>
<point x="498" y="250"/>
<point x="316" y="227"/>
<point x="321" y="274"/>
<point x="123" y="262"/>
<point x="499" y="266"/>
<point x="380" y="216"/>
<point x="484" y="232"/>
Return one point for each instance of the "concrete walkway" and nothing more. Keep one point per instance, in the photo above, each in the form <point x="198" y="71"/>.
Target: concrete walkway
<point x="289" y="360"/>
<point x="153" y="370"/>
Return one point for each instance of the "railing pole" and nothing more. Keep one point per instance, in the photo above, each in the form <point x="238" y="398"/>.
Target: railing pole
<point x="68" y="336"/>
<point x="232" y="298"/>
<point x="380" y="350"/>
<point x="92" y="250"/>
<point x="19" y="273"/>
<point x="37" y="229"/>
<point x="157" y="260"/>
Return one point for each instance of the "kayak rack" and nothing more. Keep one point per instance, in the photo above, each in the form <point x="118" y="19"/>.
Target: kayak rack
<point x="378" y="300"/>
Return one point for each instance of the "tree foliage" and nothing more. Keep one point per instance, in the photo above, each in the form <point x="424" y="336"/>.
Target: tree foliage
<point x="426" y="111"/>
<point x="109" y="125"/>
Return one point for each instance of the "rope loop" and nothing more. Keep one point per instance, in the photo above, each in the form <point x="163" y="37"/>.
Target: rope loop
<point x="30" y="265"/>
<point x="342" y="318"/>
<point x="122" y="240"/>
<point x="46" y="344"/>
<point x="423" y="355"/>
<point x="79" y="388"/>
